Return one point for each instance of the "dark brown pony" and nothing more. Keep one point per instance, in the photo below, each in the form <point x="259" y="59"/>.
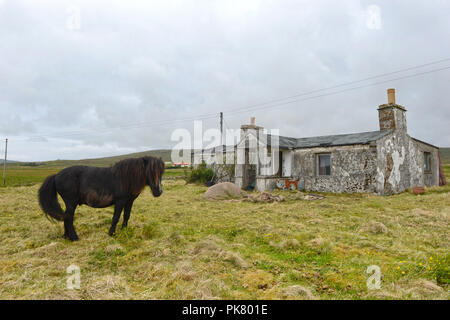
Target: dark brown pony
<point x="118" y="185"/>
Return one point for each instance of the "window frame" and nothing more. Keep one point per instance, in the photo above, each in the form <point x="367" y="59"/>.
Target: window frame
<point x="427" y="162"/>
<point x="318" y="155"/>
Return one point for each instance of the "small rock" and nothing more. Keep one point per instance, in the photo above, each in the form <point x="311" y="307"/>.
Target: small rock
<point x="224" y="190"/>
<point x="297" y="291"/>
<point x="313" y="196"/>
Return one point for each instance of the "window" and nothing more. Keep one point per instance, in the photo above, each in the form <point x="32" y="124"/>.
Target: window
<point x="324" y="164"/>
<point x="427" y="162"/>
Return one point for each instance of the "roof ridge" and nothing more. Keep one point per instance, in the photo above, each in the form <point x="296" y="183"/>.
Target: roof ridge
<point x="335" y="135"/>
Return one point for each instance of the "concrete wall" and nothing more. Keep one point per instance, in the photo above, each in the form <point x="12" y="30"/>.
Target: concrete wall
<point x="288" y="155"/>
<point x="353" y="169"/>
<point x="266" y="183"/>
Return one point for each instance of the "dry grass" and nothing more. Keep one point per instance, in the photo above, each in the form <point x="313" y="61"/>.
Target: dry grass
<point x="181" y="246"/>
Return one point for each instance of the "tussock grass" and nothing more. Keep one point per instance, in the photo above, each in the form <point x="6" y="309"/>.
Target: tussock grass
<point x="180" y="246"/>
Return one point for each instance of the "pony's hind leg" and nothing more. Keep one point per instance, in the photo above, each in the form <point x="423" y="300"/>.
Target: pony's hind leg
<point x="69" y="229"/>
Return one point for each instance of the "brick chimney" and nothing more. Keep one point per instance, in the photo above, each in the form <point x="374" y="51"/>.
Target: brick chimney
<point x="392" y="116"/>
<point x="251" y="126"/>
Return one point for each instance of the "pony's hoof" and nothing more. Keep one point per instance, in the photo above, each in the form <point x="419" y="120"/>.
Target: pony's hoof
<point x="71" y="238"/>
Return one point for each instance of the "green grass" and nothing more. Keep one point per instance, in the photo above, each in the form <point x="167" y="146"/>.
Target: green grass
<point x="27" y="176"/>
<point x="19" y="175"/>
<point x="445" y="155"/>
<point x="180" y="246"/>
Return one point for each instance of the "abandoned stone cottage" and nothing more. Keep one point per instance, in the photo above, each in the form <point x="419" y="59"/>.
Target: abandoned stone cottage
<point x="385" y="162"/>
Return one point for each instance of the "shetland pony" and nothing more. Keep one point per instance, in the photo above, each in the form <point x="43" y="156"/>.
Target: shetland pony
<point x="118" y="185"/>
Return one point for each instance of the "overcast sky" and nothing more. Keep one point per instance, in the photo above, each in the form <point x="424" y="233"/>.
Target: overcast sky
<point x="83" y="79"/>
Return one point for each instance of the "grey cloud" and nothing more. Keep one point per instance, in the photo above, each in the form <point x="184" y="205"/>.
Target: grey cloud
<point x="152" y="61"/>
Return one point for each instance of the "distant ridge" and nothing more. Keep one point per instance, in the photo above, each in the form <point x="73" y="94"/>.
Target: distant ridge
<point x="8" y="161"/>
<point x="445" y="155"/>
<point x="165" y="154"/>
<point x="107" y="161"/>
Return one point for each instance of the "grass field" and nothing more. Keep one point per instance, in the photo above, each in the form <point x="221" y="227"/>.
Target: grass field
<point x="19" y="175"/>
<point x="180" y="246"/>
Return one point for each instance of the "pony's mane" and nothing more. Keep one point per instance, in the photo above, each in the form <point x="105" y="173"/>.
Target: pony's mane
<point x="134" y="172"/>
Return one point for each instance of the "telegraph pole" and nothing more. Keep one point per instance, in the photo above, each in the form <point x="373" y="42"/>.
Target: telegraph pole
<point x="4" y="163"/>
<point x="221" y="128"/>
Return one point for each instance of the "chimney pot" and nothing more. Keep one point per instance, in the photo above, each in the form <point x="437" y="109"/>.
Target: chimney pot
<point x="391" y="96"/>
<point x="252" y="121"/>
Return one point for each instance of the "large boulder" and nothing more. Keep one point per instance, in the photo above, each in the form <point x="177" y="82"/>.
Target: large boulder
<point x="224" y="190"/>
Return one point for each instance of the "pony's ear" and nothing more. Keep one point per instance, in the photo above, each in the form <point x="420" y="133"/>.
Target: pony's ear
<point x="145" y="161"/>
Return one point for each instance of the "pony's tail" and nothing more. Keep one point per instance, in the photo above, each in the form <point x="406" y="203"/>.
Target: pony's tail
<point x="49" y="201"/>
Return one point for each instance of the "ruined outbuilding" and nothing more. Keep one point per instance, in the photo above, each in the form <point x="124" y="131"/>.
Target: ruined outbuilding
<point x="385" y="162"/>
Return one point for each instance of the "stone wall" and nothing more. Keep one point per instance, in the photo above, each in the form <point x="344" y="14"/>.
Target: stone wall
<point x="224" y="172"/>
<point x="401" y="163"/>
<point x="353" y="169"/>
<point x="393" y="174"/>
<point x="416" y="165"/>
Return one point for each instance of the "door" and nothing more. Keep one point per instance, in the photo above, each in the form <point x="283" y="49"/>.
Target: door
<point x="249" y="179"/>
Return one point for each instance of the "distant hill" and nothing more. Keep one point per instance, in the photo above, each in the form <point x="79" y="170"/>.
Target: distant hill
<point x="107" y="161"/>
<point x="8" y="161"/>
<point x="445" y="155"/>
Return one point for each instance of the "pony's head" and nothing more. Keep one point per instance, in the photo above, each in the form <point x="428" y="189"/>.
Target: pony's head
<point x="154" y="169"/>
<point x="135" y="173"/>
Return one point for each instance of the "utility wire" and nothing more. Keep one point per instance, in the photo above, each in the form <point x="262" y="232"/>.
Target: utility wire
<point x="128" y="126"/>
<point x="258" y="106"/>
<point x="346" y="83"/>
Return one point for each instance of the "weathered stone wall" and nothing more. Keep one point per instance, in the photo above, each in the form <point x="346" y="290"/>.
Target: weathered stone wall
<point x="393" y="163"/>
<point x="353" y="169"/>
<point x="416" y="164"/>
<point x="224" y="172"/>
<point x="401" y="163"/>
<point x="392" y="116"/>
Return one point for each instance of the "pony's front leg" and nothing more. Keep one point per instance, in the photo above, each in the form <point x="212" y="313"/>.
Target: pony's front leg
<point x="117" y="211"/>
<point x="127" y="212"/>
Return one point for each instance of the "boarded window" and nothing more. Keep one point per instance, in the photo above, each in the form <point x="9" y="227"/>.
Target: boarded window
<point x="324" y="164"/>
<point x="427" y="162"/>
